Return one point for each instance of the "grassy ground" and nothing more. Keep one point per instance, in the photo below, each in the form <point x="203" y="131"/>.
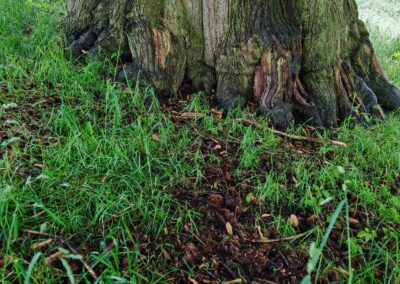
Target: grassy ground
<point x="127" y="189"/>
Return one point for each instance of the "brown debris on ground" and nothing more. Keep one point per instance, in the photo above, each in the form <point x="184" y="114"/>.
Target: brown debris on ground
<point x="227" y="244"/>
<point x="228" y="232"/>
<point x="21" y="124"/>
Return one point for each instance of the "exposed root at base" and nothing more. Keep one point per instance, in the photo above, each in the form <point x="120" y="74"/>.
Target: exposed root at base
<point x="281" y="93"/>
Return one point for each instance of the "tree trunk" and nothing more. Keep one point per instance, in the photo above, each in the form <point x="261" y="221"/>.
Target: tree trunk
<point x="299" y="59"/>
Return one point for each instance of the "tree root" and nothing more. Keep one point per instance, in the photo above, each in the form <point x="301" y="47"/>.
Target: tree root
<point x="354" y="95"/>
<point x="281" y="93"/>
<point x="278" y="88"/>
<point x="277" y="77"/>
<point x="83" y="44"/>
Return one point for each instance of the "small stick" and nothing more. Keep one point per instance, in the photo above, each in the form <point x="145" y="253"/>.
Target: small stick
<point x="197" y="238"/>
<point x="284" y="258"/>
<point x="91" y="271"/>
<point x="281" y="239"/>
<point x="247" y="122"/>
<point x="96" y="225"/>
<point x="227" y="268"/>
<point x="31" y="232"/>
<point x="192" y="115"/>
<point x="89" y="227"/>
<point x="52" y="258"/>
<point x="40" y="245"/>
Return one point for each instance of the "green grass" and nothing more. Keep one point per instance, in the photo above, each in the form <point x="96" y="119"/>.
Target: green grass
<point x="102" y="152"/>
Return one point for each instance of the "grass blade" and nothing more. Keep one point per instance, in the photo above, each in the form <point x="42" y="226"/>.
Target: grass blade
<point x="30" y="268"/>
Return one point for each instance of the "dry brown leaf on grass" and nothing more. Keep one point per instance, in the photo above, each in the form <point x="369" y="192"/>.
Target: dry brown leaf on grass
<point x="229" y="228"/>
<point x="217" y="113"/>
<point x="353" y="221"/>
<point x="294" y="221"/>
<point x="193" y="281"/>
<point x="217" y="147"/>
<point x="40" y="166"/>
<point x="260" y="233"/>
<point x="7" y="258"/>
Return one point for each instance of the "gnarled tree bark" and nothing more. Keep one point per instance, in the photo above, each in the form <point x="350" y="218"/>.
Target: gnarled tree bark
<point x="299" y="59"/>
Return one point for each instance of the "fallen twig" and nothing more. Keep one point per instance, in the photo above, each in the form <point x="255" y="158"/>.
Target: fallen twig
<point x="190" y="231"/>
<point x="192" y="115"/>
<point x="88" y="228"/>
<point x="40" y="245"/>
<point x="270" y="241"/>
<point x="82" y="260"/>
<point x="37" y="233"/>
<point x="247" y="122"/>
<point x="51" y="258"/>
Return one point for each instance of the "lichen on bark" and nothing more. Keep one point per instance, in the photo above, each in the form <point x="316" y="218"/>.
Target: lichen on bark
<point x="301" y="60"/>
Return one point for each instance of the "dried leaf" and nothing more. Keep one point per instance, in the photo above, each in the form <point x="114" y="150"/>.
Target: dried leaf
<point x="313" y="219"/>
<point x="40" y="166"/>
<point x="166" y="255"/>
<point x="155" y="137"/>
<point x="5" y="259"/>
<point x="217" y="147"/>
<point x="353" y="221"/>
<point x="295" y="181"/>
<point x="260" y="233"/>
<point x="294" y="221"/>
<point x="193" y="281"/>
<point x="229" y="228"/>
<point x="217" y="113"/>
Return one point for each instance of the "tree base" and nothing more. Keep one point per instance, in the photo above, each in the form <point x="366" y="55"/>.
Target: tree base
<point x="299" y="65"/>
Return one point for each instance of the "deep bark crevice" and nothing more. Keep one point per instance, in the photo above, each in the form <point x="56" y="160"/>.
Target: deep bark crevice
<point x="299" y="59"/>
